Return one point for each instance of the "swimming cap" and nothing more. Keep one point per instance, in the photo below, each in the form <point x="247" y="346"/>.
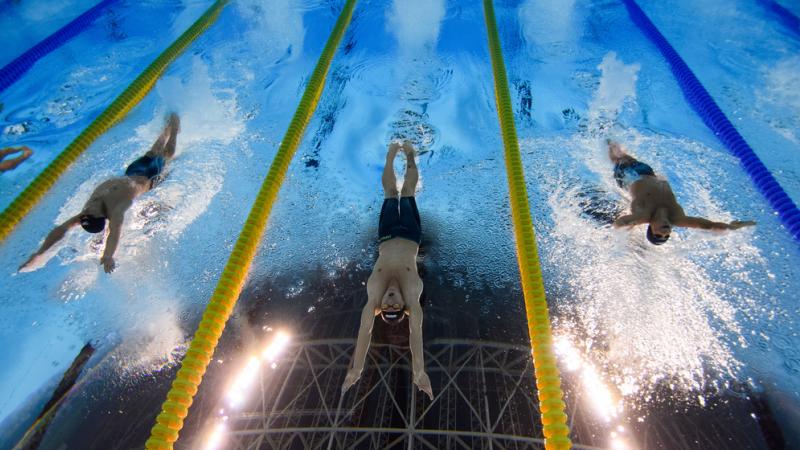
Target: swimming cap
<point x="653" y="239"/>
<point x="93" y="224"/>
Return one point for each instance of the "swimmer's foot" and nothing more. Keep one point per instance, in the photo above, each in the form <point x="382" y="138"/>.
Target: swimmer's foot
<point x="174" y="123"/>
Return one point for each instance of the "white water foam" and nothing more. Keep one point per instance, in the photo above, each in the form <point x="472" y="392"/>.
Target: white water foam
<point x="781" y="96"/>
<point x="648" y="314"/>
<point x="557" y="31"/>
<point x="617" y="90"/>
<point x="276" y="28"/>
<point x="415" y="24"/>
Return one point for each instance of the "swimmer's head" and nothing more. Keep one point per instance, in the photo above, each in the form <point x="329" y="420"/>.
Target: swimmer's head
<point x="93" y="224"/>
<point x="658" y="237"/>
<point x="659" y="229"/>
<point x="393" y="307"/>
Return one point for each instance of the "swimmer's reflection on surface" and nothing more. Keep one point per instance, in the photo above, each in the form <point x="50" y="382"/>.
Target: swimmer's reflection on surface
<point x="394" y="288"/>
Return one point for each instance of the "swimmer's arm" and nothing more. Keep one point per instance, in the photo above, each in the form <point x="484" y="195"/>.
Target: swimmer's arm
<point x="54" y="236"/>
<point x="630" y="220"/>
<point x="705" y="224"/>
<point x="413" y="291"/>
<point x="114" y="231"/>
<point x="364" y="337"/>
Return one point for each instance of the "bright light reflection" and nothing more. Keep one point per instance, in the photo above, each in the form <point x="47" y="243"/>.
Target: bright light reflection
<point x="599" y="394"/>
<point x="601" y="397"/>
<point x="276" y="347"/>
<point x="237" y="390"/>
<point x="619" y="444"/>
<point x="215" y="438"/>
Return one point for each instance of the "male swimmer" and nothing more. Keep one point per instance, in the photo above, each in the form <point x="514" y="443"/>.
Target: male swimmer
<point x="9" y="164"/>
<point x="394" y="288"/>
<point x="652" y="200"/>
<point x="113" y="197"/>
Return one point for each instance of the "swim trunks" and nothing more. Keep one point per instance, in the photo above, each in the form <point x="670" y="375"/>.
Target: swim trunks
<point x="146" y="166"/>
<point x="400" y="219"/>
<point x="628" y="173"/>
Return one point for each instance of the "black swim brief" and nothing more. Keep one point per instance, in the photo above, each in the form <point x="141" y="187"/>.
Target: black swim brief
<point x="630" y="172"/>
<point x="146" y="166"/>
<point x="400" y="219"/>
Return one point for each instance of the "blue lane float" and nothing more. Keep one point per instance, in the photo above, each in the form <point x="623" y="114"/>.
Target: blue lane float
<point x="14" y="70"/>
<point x="787" y="18"/>
<point x="715" y="119"/>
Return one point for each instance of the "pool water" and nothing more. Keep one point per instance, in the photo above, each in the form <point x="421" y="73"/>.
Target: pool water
<point x="688" y="345"/>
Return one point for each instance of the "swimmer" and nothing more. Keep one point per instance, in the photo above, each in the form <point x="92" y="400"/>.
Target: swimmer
<point x="394" y="288"/>
<point x="653" y="202"/>
<point x="14" y="162"/>
<point x="113" y="197"/>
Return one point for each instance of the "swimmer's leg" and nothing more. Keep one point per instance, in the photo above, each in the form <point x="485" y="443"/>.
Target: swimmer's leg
<point x="617" y="155"/>
<point x="388" y="178"/>
<point x="412" y="174"/>
<point x="165" y="144"/>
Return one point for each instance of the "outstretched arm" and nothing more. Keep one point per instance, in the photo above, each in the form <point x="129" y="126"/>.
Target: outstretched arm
<point x="421" y="379"/>
<point x="364" y="337"/>
<point x="630" y="220"/>
<point x="56" y="235"/>
<point x="115" y="229"/>
<point x="705" y="224"/>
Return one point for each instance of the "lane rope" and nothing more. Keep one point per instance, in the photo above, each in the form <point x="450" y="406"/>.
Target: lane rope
<point x="120" y="107"/>
<point x="786" y="17"/>
<point x="14" y="70"/>
<point x="179" y="399"/>
<point x="548" y="379"/>
<point x="715" y="119"/>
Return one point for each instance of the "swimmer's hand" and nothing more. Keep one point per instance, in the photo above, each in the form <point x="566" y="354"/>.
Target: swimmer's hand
<point x="736" y="224"/>
<point x="352" y="377"/>
<point x="423" y="382"/>
<point x="108" y="264"/>
<point x="34" y="262"/>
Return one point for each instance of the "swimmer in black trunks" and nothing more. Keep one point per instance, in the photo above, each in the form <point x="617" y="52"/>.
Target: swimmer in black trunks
<point x="652" y="200"/>
<point x="113" y="197"/>
<point x="394" y="288"/>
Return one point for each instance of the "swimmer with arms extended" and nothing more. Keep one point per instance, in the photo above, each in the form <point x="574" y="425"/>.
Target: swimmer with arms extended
<point x="653" y="202"/>
<point x="394" y="288"/>
<point x="113" y="197"/>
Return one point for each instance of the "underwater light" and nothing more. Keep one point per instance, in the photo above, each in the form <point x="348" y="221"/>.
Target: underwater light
<point x="215" y="437"/>
<point x="276" y="347"/>
<point x="237" y="390"/>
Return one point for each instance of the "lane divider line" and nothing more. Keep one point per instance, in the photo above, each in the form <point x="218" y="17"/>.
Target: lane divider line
<point x="548" y="379"/>
<point x="705" y="106"/>
<point x="14" y="70"/>
<point x="786" y="17"/>
<point x="201" y="349"/>
<point x="118" y="109"/>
